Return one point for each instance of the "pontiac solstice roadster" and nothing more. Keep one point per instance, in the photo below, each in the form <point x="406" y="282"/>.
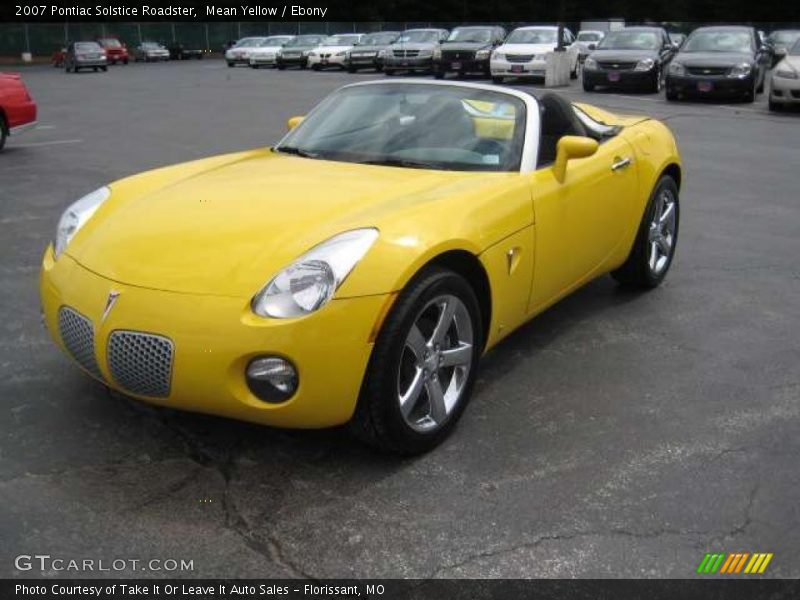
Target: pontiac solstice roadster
<point x="356" y="271"/>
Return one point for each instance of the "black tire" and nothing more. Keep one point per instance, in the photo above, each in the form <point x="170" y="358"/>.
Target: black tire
<point x="635" y="271"/>
<point x="230" y="64"/>
<point x="588" y="87"/>
<point x="104" y="69"/>
<point x="67" y="68"/>
<point x="281" y="67"/>
<point x="775" y="106"/>
<point x="388" y="72"/>
<point x="573" y="74"/>
<point x="750" y="95"/>
<point x="125" y="61"/>
<point x="377" y="420"/>
<point x="3" y="132"/>
<point x="315" y="67"/>
<point x="497" y="80"/>
<point x="672" y="96"/>
<point x="351" y="70"/>
<point x="75" y="69"/>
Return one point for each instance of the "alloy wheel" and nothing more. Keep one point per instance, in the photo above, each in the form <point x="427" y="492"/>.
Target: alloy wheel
<point x="435" y="363"/>
<point x="662" y="232"/>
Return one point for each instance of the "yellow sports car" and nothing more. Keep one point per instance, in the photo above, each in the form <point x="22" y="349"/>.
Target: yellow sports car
<point x="357" y="270"/>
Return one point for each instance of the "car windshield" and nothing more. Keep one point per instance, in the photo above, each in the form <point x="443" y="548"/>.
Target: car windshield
<point x="273" y="41"/>
<point x="110" y="43"/>
<point x="630" y="40"/>
<point x="248" y="42"/>
<point x="151" y="46"/>
<point x="719" y="41"/>
<point x="341" y="40"/>
<point x="588" y="36"/>
<point x="470" y="35"/>
<point x="532" y="36"/>
<point x="379" y="39"/>
<point x="415" y="126"/>
<point x="88" y="47"/>
<point x="414" y="37"/>
<point x="784" y="38"/>
<point x="306" y="40"/>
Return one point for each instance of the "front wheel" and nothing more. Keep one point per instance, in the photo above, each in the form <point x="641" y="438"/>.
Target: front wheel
<point x="3" y="132"/>
<point x="651" y="255"/>
<point x="774" y="106"/>
<point x="104" y="69"/>
<point x="423" y="366"/>
<point x="588" y="87"/>
<point x="497" y="80"/>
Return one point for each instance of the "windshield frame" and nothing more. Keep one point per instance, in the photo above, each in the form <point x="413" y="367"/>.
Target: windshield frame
<point x="334" y="44"/>
<point x="522" y="31"/>
<point x="531" y="134"/>
<point x="611" y="35"/>
<point x="699" y="32"/>
<point x="432" y="34"/>
<point x="488" y="32"/>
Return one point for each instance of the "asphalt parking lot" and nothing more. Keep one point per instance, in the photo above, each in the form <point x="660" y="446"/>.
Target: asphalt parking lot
<point x="616" y="435"/>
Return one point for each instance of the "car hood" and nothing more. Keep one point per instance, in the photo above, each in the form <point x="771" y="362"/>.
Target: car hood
<point x="332" y="49"/>
<point x="713" y="59"/>
<point x="526" y="48"/>
<point x="466" y="46"/>
<point x="791" y="61"/>
<point x="624" y="55"/>
<point x="226" y="225"/>
<point x="369" y="48"/>
<point x="266" y="50"/>
<point x="415" y="46"/>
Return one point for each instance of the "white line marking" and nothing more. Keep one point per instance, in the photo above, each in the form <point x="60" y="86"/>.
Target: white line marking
<point x="53" y="143"/>
<point x="45" y="127"/>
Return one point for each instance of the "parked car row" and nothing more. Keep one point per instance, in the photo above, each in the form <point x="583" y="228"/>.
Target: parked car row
<point x="114" y="51"/>
<point x="715" y="61"/>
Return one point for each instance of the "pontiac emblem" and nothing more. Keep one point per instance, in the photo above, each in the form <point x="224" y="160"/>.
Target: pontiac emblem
<point x="110" y="301"/>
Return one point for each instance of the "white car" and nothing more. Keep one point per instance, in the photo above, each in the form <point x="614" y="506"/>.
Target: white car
<point x="587" y="40"/>
<point x="784" y="87"/>
<point x="333" y="51"/>
<point x="266" y="53"/>
<point x="524" y="53"/>
<point x="239" y="53"/>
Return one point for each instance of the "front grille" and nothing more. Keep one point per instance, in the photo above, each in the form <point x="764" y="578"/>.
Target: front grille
<point x="458" y="55"/>
<point x="616" y="65"/>
<point x="707" y="70"/>
<point x="406" y="53"/>
<point x="77" y="333"/>
<point x="291" y="54"/>
<point x="519" y="58"/>
<point x="141" y="362"/>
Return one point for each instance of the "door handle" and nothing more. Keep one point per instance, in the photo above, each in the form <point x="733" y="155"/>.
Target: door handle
<point x="620" y="163"/>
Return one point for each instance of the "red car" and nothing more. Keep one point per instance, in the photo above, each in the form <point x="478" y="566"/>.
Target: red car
<point x="116" y="51"/>
<point x="17" y="108"/>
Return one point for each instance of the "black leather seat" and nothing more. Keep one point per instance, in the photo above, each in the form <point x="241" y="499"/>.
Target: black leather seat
<point x="557" y="120"/>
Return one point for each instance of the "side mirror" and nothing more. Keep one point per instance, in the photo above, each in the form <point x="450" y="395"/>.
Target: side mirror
<point x="569" y="147"/>
<point x="293" y="122"/>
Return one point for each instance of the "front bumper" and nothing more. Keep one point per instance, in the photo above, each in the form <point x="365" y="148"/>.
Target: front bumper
<point x="473" y="65"/>
<point x="238" y="59"/>
<point x="90" y="62"/>
<point x="327" y="61"/>
<point x="291" y="61"/>
<point x="784" y="91"/>
<point x="618" y="79"/>
<point x="505" y="68"/>
<point x="267" y="60"/>
<point x="710" y="86"/>
<point x="18" y="129"/>
<point x="369" y="61"/>
<point x="416" y="63"/>
<point x="215" y="337"/>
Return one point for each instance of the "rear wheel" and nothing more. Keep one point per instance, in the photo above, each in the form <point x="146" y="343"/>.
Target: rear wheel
<point x="588" y="87"/>
<point x="3" y="132"/>
<point x="654" y="246"/>
<point x="497" y="80"/>
<point x="422" y="370"/>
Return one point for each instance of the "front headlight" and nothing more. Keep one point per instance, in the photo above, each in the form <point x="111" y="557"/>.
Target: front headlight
<point x="498" y="56"/>
<point x="645" y="64"/>
<point x="342" y="53"/>
<point x="786" y="73"/>
<point x="483" y="54"/>
<point x="740" y="70"/>
<point x="310" y="282"/>
<point x="383" y="53"/>
<point x="676" y="68"/>
<point x="76" y="216"/>
<point x="425" y="53"/>
<point x="314" y="54"/>
<point x="589" y="63"/>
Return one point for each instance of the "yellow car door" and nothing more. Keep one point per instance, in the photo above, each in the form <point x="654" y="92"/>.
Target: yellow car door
<point x="582" y="220"/>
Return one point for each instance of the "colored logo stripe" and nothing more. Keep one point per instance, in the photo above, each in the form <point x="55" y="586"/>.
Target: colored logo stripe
<point x="734" y="562"/>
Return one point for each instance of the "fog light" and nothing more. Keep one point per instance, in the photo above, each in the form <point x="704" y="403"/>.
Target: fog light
<point x="272" y="379"/>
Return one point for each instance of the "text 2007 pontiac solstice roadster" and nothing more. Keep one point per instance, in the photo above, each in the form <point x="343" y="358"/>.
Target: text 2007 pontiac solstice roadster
<point x="357" y="271"/>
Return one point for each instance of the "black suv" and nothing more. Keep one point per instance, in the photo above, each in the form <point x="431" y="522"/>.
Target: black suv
<point x="467" y="50"/>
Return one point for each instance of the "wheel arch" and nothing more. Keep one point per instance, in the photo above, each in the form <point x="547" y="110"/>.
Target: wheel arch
<point x="672" y="170"/>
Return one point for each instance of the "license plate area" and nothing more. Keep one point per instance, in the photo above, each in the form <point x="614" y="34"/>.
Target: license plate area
<point x="704" y="86"/>
<point x="517" y="69"/>
<point x="455" y="65"/>
<point x="613" y="76"/>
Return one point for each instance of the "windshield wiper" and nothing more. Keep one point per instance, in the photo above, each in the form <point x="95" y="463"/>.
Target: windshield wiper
<point x="401" y="162"/>
<point x="296" y="151"/>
